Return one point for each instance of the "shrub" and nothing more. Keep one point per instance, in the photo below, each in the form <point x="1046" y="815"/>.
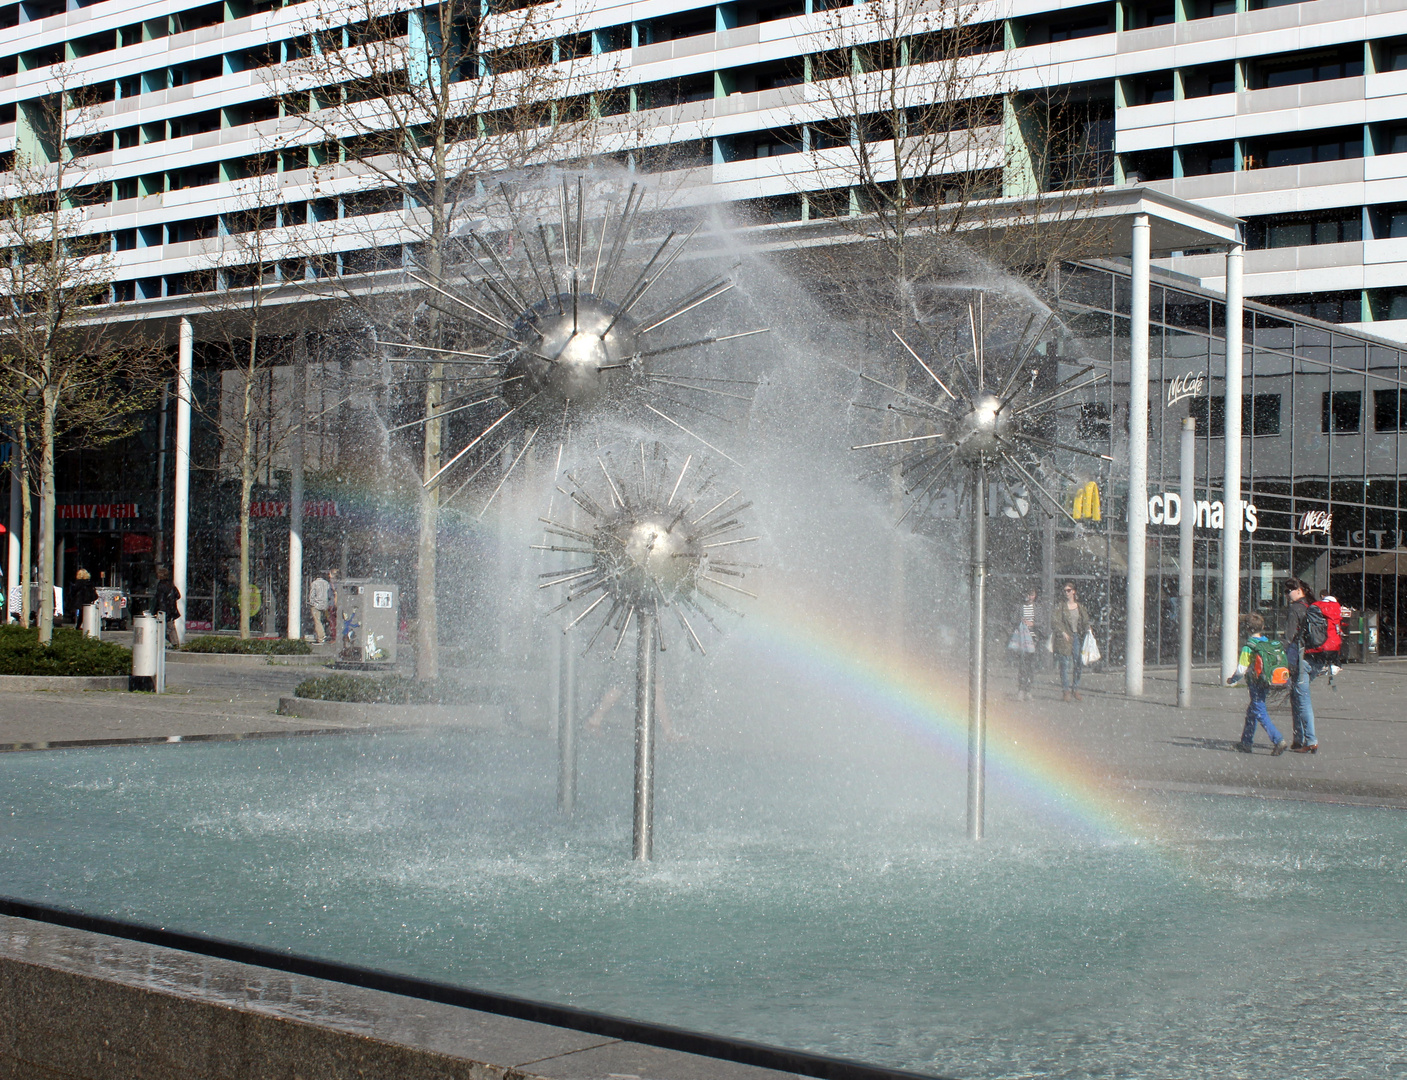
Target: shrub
<point x="213" y="643"/>
<point x="389" y="690"/>
<point x="70" y="653"/>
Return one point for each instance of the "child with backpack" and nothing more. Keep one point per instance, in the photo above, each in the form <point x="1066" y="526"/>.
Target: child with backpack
<point x="1262" y="664"/>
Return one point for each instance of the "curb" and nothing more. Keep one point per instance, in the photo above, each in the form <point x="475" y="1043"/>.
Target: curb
<point x="23" y="683"/>
<point x="469" y="715"/>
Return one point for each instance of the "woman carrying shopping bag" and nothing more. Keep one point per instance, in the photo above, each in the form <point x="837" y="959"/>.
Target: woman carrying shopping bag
<point x="1032" y="629"/>
<point x="1069" y="626"/>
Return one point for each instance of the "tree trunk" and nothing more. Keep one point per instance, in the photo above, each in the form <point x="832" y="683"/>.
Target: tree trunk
<point x="427" y="627"/>
<point x="49" y="506"/>
<point x="27" y="537"/>
<point x="246" y="487"/>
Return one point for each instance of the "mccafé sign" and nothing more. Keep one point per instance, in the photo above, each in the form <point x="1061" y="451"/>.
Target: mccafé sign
<point x="1166" y="509"/>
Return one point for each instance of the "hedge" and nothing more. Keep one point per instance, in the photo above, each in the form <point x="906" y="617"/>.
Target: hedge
<point x="214" y="643"/>
<point x="387" y="690"/>
<point x="70" y="653"/>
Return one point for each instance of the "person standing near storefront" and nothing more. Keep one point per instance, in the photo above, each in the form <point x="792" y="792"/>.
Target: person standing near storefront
<point x="1305" y="666"/>
<point x="166" y="600"/>
<point x="84" y="593"/>
<point x="1069" y="624"/>
<point x="319" y="600"/>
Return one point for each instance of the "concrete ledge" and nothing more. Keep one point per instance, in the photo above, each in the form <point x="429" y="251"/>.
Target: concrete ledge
<point x="25" y="683"/>
<point x="86" y="1006"/>
<point x="174" y="656"/>
<point x="347" y="712"/>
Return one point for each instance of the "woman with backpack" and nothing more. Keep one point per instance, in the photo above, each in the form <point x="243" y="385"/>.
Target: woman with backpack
<point x="1306" y="629"/>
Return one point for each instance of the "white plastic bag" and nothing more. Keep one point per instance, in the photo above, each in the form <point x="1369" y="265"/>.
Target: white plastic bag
<point x="1089" y="651"/>
<point x="1021" y="639"/>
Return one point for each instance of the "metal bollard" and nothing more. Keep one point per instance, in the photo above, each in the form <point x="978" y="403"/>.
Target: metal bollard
<point x="92" y="622"/>
<point x="148" y="644"/>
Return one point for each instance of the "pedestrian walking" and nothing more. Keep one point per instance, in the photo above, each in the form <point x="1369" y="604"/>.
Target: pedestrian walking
<point x="1261" y="664"/>
<point x="1301" y="622"/>
<point x="166" y="600"/>
<point x="319" y="599"/>
<point x="1069" y="625"/>
<point x="1027" y="639"/>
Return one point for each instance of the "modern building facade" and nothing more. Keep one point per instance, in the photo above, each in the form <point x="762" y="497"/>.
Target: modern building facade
<point x="1292" y="116"/>
<point x="1286" y="116"/>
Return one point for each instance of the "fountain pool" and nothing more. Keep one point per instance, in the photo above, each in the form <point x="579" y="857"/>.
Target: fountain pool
<point x="837" y="910"/>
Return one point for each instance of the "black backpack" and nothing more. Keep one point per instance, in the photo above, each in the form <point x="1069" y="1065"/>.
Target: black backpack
<point x="1314" y="629"/>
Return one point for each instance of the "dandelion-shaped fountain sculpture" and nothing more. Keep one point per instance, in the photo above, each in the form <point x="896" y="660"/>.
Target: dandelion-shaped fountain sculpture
<point x="652" y="552"/>
<point x="987" y="419"/>
<point x="562" y="328"/>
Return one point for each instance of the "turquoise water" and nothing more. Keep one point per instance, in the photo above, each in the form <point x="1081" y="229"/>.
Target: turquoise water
<point x="841" y="912"/>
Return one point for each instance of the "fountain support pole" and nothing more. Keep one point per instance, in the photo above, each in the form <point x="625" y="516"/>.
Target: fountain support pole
<point x="1137" y="577"/>
<point x="1233" y="508"/>
<point x="643" y="850"/>
<point x="566" y="728"/>
<point x="1184" y="563"/>
<point x="977" y="662"/>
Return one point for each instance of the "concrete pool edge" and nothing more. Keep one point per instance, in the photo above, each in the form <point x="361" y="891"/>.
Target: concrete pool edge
<point x="81" y="1003"/>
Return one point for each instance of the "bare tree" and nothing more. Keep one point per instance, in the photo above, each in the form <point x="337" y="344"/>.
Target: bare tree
<point x="411" y="114"/>
<point x="247" y="317"/>
<point x="912" y="124"/>
<point x="65" y="370"/>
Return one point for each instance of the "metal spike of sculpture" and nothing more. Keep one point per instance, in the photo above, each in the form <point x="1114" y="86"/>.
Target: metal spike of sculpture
<point x="558" y="317"/>
<point x="988" y="419"/>
<point x="652" y="551"/>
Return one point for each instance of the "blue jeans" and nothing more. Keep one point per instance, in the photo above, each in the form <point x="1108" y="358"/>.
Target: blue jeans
<point x="1070" y="668"/>
<point x="1256" y="713"/>
<point x="1304" y="669"/>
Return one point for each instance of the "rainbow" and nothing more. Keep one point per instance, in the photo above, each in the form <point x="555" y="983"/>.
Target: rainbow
<point x="927" y="698"/>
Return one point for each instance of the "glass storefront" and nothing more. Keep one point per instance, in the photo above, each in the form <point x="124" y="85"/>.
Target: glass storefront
<point x="1323" y="415"/>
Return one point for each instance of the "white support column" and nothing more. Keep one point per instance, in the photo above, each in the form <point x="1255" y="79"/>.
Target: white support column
<point x="13" y="571"/>
<point x="1232" y="509"/>
<point x="181" y="499"/>
<point x="1138" y="457"/>
<point x="295" y="493"/>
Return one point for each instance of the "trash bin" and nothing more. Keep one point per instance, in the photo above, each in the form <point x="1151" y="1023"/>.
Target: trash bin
<point x="1360" y="644"/>
<point x="367" y="614"/>
<point x="92" y="622"/>
<point x="148" y="654"/>
<point x="1370" y="636"/>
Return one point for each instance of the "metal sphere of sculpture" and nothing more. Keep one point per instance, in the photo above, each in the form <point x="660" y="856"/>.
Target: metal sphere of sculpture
<point x="979" y="433"/>
<point x="990" y="425"/>
<point x="585" y="354"/>
<point x="651" y="551"/>
<point x="560" y="323"/>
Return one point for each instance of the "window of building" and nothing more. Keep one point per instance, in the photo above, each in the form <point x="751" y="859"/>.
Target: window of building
<point x="1151" y="13"/>
<point x="1388" y="304"/>
<point x="672" y="27"/>
<point x="1340" y="411"/>
<point x="1336" y="307"/>
<point x="1317" y="65"/>
<point x="1388" y="411"/>
<point x="1263" y="412"/>
<point x="1205" y="158"/>
<point x="1151" y="89"/>
<point x="1304" y="147"/>
<point x="1066" y="25"/>
<point x="1209" y="79"/>
<point x="1260" y="415"/>
<point x="1337" y="226"/>
<point x="1148" y="165"/>
<point x="1388" y="219"/>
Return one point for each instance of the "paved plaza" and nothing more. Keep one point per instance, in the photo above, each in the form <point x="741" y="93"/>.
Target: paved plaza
<point x="1362" y="726"/>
